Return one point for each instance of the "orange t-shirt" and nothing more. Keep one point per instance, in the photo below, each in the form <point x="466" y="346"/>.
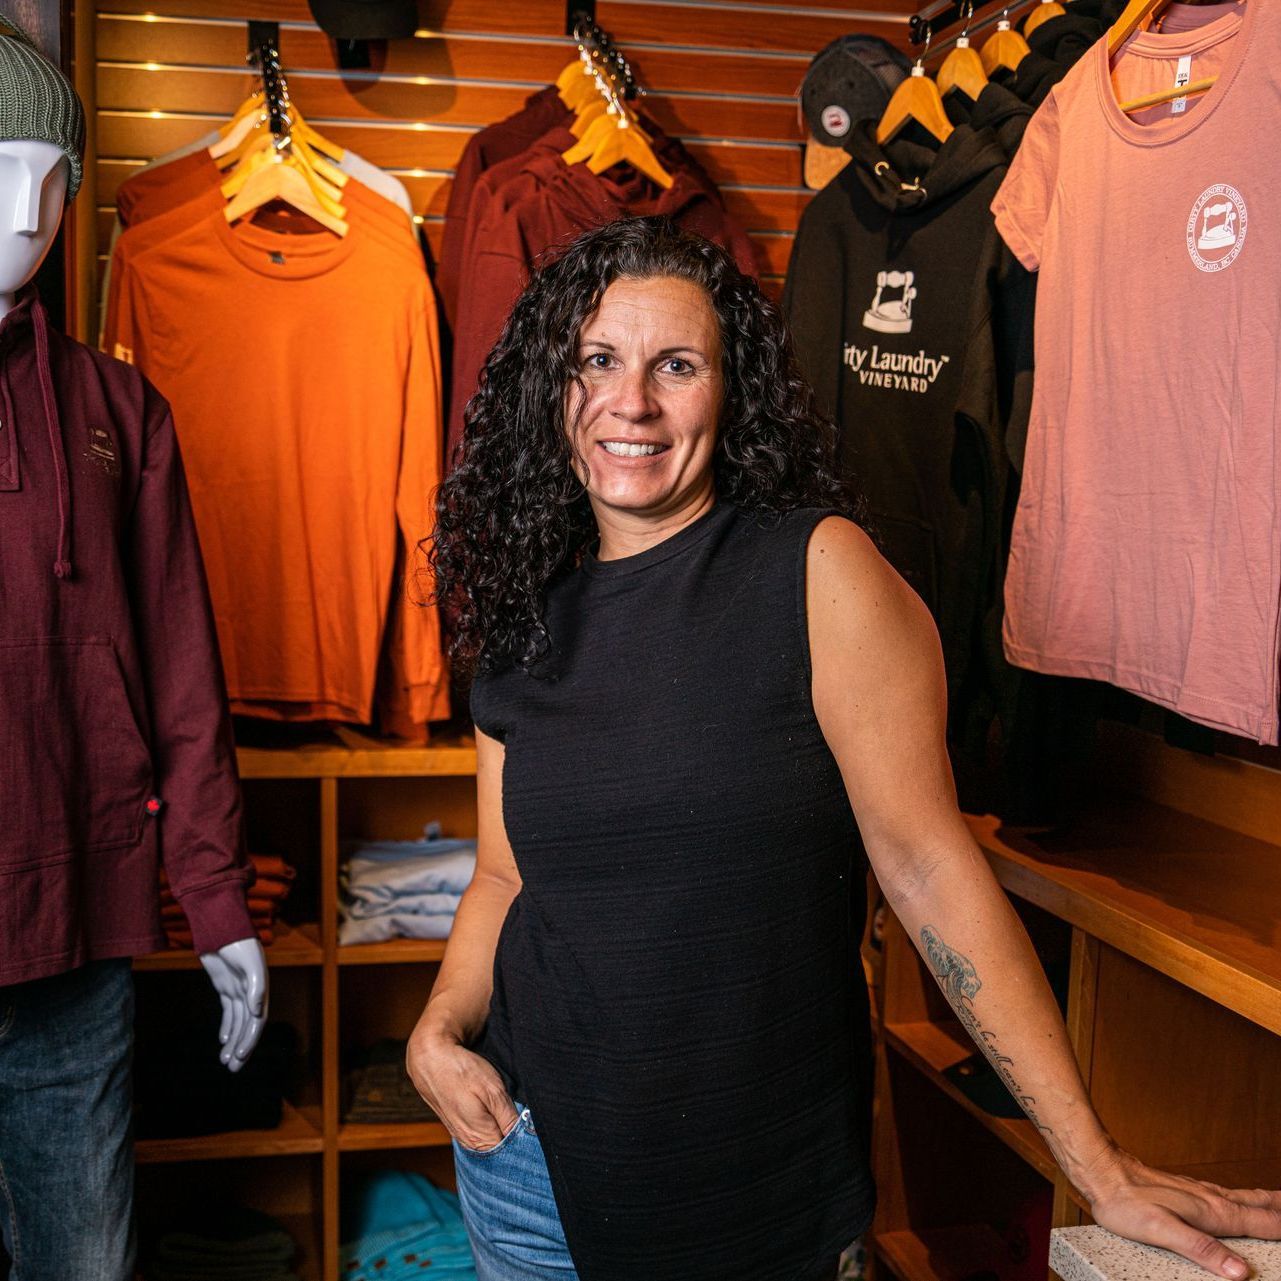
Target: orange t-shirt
<point x="304" y="376"/>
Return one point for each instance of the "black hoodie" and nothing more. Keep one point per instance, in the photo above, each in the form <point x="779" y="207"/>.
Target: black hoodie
<point x="996" y="108"/>
<point x="911" y="320"/>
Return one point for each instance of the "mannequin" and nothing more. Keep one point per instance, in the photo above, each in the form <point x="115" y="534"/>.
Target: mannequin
<point x="119" y="758"/>
<point x="33" y="188"/>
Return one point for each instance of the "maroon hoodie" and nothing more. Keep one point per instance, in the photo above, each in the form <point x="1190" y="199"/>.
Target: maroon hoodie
<point x="115" y="743"/>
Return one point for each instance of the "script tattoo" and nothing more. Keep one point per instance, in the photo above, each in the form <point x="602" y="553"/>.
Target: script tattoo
<point x="960" y="982"/>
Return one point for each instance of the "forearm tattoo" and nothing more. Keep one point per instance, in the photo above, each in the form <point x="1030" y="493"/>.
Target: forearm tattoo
<point x="960" y="982"/>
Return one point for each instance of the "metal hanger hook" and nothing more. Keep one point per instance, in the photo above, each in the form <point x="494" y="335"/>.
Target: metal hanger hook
<point x="929" y="35"/>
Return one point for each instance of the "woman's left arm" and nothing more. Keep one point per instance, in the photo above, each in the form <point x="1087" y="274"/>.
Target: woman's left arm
<point x="880" y="697"/>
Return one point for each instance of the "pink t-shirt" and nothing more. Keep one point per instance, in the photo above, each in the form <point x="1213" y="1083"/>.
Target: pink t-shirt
<point x="1147" y="544"/>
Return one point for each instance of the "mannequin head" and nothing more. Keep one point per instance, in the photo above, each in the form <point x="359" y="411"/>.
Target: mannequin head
<point x="33" y="189"/>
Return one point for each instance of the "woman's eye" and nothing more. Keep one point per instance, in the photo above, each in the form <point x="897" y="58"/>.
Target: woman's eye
<point x="678" y="366"/>
<point x="598" y="360"/>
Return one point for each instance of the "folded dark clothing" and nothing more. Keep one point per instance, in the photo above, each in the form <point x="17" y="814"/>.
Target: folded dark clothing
<point x="182" y="1090"/>
<point x="274" y="1272"/>
<point x="380" y="1091"/>
<point x="227" y="1243"/>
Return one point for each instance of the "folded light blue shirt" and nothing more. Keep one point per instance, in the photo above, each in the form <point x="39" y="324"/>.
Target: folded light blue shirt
<point x="404" y="889"/>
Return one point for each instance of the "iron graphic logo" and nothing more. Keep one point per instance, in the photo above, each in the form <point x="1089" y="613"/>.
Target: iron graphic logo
<point x="1216" y="227"/>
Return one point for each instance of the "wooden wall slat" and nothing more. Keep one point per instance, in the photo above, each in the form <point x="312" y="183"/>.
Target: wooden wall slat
<point x="735" y="27"/>
<point x="324" y="97"/>
<point x="527" y="17"/>
<point x="129" y="39"/>
<point x="777" y="26"/>
<point x="755" y="208"/>
<point x="437" y="147"/>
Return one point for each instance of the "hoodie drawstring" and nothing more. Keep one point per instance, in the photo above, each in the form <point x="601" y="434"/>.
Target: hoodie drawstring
<point x="61" y="566"/>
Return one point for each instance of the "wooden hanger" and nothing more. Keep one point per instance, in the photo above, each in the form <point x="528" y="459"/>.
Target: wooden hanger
<point x="281" y="176"/>
<point x="1004" y="48"/>
<point x="327" y="193"/>
<point x="1043" y="12"/>
<point x="916" y="98"/>
<point x="962" y="68"/>
<point x="1137" y="14"/>
<point x="615" y="136"/>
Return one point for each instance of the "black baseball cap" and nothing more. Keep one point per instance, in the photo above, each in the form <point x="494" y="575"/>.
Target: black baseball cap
<point x="366" y="19"/>
<point x="849" y="80"/>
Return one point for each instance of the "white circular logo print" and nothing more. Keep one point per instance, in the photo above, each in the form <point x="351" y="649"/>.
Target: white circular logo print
<point x="1216" y="227"/>
<point x="836" y="120"/>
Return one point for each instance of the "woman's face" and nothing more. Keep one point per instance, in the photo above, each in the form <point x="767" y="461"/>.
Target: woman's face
<point x="650" y="360"/>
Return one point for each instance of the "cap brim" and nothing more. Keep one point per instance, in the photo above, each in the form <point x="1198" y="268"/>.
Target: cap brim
<point x="367" y="19"/>
<point x="823" y="163"/>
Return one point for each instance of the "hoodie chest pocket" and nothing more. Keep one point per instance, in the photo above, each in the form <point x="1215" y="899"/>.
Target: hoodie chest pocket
<point x="8" y="455"/>
<point x="75" y="771"/>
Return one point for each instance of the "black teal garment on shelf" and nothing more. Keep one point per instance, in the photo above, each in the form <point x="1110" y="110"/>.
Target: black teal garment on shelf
<point x="678" y="994"/>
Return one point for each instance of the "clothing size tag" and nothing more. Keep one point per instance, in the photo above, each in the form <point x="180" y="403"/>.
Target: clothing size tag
<point x="1181" y="77"/>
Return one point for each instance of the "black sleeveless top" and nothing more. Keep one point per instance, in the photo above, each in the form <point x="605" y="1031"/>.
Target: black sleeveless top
<point x="678" y="993"/>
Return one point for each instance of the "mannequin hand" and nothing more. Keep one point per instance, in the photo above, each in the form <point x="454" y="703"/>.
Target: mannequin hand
<point x="238" y="972"/>
<point x="461" y="1088"/>
<point x="1180" y="1214"/>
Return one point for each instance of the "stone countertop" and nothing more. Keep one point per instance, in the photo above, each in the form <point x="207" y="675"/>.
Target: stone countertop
<point x="1095" y="1254"/>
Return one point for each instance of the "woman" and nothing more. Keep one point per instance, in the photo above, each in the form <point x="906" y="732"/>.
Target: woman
<point x="649" y="1034"/>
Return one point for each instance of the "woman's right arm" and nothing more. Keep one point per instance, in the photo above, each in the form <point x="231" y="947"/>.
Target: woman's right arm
<point x="462" y="1088"/>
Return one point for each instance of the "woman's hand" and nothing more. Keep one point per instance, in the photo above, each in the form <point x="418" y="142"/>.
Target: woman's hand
<point x="1180" y="1214"/>
<point x="462" y="1088"/>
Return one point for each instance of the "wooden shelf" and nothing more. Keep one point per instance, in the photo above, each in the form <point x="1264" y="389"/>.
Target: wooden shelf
<point x="942" y="1254"/>
<point x="393" y="952"/>
<point x="299" y="1132"/>
<point x="1193" y="900"/>
<point x="356" y="1137"/>
<point x="293" y="945"/>
<point x="360" y="757"/>
<point x="934" y="1047"/>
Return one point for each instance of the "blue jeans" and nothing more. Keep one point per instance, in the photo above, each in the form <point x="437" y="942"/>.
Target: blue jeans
<point x="511" y="1216"/>
<point x="66" y="1149"/>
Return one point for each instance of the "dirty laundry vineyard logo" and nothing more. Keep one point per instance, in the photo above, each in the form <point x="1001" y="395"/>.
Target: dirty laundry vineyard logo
<point x="891" y="313"/>
<point x="1216" y="227"/>
<point x="896" y="370"/>
<point x="891" y="309"/>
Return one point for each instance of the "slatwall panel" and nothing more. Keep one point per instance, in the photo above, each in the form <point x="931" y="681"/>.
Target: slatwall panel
<point x="721" y="78"/>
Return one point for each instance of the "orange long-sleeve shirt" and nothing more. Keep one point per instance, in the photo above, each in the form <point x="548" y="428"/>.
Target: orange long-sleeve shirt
<point x="304" y="374"/>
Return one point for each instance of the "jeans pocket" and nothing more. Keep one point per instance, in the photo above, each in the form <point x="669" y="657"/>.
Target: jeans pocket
<point x="519" y="1124"/>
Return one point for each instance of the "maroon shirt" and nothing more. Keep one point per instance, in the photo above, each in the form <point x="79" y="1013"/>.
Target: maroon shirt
<point x="115" y="742"/>
<point x="501" y="141"/>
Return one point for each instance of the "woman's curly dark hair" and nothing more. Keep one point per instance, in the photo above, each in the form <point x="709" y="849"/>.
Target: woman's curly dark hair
<point x="513" y="514"/>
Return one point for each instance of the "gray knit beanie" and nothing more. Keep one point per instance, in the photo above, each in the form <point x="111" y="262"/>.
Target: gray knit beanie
<point x="37" y="101"/>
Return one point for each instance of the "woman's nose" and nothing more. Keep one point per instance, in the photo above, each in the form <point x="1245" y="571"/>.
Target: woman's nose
<point x="633" y="397"/>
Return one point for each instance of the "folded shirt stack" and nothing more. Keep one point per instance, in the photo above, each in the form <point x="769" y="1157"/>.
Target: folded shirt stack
<point x="227" y="1245"/>
<point x="182" y="1090"/>
<point x="399" y="1225"/>
<point x="379" y="1091"/>
<point x="273" y="879"/>
<point x="403" y="889"/>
